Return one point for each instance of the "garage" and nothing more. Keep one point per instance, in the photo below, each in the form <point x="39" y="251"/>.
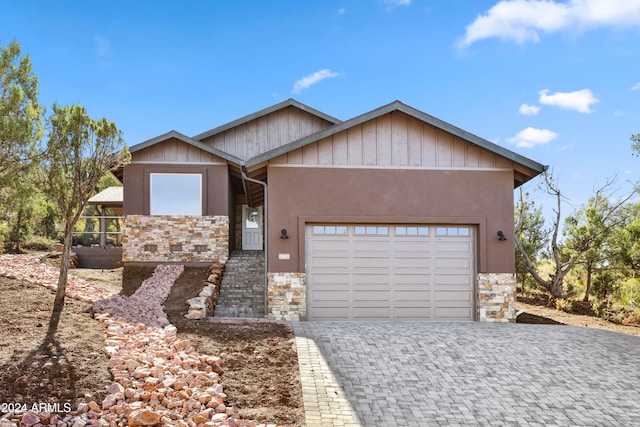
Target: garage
<point x="383" y="272"/>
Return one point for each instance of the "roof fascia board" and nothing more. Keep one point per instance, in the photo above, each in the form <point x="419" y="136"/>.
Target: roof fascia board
<point x="186" y="140"/>
<point x="398" y="106"/>
<point x="288" y="103"/>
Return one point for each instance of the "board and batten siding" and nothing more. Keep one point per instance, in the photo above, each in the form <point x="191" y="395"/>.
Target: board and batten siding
<point x="394" y="140"/>
<point x="173" y="151"/>
<point x="266" y="133"/>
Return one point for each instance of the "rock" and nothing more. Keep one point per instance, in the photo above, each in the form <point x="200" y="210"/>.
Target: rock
<point x="143" y="417"/>
<point x="195" y="314"/>
<point x="108" y="401"/>
<point x="29" y="419"/>
<point x="182" y="344"/>
<point x="116" y="388"/>
<point x="93" y="406"/>
<point x="206" y="292"/>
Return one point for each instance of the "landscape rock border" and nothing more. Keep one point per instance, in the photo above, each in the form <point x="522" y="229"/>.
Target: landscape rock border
<point x="158" y="379"/>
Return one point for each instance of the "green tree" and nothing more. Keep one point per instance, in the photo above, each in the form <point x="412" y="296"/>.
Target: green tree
<point x="565" y="255"/>
<point x="20" y="113"/>
<point x="20" y="133"/>
<point x="533" y="235"/>
<point x="79" y="151"/>
<point x="588" y="232"/>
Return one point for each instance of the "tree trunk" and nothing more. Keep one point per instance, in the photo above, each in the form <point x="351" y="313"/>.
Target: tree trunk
<point x="61" y="292"/>
<point x="587" y="290"/>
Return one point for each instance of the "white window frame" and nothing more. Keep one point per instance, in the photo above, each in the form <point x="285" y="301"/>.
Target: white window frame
<point x="176" y="208"/>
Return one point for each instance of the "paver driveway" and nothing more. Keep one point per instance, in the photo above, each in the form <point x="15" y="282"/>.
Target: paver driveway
<point x="422" y="374"/>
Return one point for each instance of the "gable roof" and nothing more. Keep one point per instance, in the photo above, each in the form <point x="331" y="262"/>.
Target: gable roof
<point x="532" y="168"/>
<point x="399" y="106"/>
<point x="181" y="137"/>
<point x="288" y="103"/>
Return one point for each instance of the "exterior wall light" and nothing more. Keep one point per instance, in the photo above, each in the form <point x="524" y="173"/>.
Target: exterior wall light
<point x="283" y="234"/>
<point x="501" y="236"/>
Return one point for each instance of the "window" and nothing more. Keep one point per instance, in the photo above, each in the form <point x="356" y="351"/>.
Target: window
<point x="412" y="231"/>
<point x="176" y="193"/>
<point x="371" y="230"/>
<point x="330" y="229"/>
<point x="453" y="231"/>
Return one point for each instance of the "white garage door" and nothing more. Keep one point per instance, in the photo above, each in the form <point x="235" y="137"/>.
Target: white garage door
<point x="369" y="272"/>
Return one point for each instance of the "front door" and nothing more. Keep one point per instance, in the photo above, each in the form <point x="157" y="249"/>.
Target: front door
<point x="251" y="228"/>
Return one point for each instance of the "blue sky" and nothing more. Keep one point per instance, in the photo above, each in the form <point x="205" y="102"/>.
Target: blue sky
<point x="556" y="81"/>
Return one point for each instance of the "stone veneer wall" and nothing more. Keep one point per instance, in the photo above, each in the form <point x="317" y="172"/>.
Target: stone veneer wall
<point x="175" y="238"/>
<point x="496" y="297"/>
<point x="287" y="296"/>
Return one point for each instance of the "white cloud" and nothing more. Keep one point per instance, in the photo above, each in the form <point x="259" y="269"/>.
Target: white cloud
<point x="579" y="100"/>
<point x="523" y="20"/>
<point x="342" y="11"/>
<point x="636" y="86"/>
<point x="529" y="110"/>
<point x="530" y="137"/>
<point x="312" y="79"/>
<point x="102" y="45"/>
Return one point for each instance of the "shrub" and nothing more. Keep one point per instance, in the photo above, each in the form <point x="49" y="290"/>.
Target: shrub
<point x="39" y="243"/>
<point x="629" y="293"/>
<point x="564" y="305"/>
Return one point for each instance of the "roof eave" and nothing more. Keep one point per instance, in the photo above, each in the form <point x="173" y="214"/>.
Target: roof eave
<point x="187" y="140"/>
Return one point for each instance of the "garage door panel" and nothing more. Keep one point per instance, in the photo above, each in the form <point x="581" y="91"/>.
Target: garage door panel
<point x="450" y="298"/>
<point x="446" y="246"/>
<point x="390" y="276"/>
<point x="413" y="313"/>
<point x="451" y="313"/>
<point x="329" y="313"/>
<point x="369" y="302"/>
<point x="452" y="263"/>
<point x="334" y="296"/>
<point x="452" y="279"/>
<point x="373" y="313"/>
<point x="333" y="279"/>
<point x="416" y="275"/>
<point x="412" y="298"/>
<point x="331" y="262"/>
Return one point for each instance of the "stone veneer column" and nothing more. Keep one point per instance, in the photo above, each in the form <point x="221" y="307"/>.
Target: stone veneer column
<point x="175" y="238"/>
<point x="287" y="296"/>
<point x="496" y="297"/>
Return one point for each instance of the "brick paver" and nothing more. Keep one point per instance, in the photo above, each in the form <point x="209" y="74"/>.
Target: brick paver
<point x="424" y="374"/>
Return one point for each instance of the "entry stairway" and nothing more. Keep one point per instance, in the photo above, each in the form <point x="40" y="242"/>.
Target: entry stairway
<point x="242" y="291"/>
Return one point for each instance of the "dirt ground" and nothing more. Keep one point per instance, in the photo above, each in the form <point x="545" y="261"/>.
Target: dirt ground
<point x="74" y="367"/>
<point x="261" y="377"/>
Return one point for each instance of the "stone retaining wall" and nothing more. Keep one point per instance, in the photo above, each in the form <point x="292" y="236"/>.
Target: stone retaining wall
<point x="175" y="238"/>
<point x="287" y="296"/>
<point x="496" y="297"/>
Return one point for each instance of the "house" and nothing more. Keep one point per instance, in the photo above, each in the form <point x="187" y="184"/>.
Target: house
<point x="393" y="214"/>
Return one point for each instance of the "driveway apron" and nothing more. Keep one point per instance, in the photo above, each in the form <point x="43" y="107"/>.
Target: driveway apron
<point x="423" y="374"/>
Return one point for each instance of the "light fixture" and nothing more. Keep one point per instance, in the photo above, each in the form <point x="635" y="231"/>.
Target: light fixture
<point x="501" y="236"/>
<point x="283" y="234"/>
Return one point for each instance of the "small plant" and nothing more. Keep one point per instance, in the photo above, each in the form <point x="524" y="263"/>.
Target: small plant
<point x="629" y="293"/>
<point x="564" y="305"/>
<point x="598" y="306"/>
<point x="39" y="243"/>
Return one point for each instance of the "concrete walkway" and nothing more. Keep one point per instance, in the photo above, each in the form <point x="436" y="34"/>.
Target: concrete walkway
<point x="432" y="374"/>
